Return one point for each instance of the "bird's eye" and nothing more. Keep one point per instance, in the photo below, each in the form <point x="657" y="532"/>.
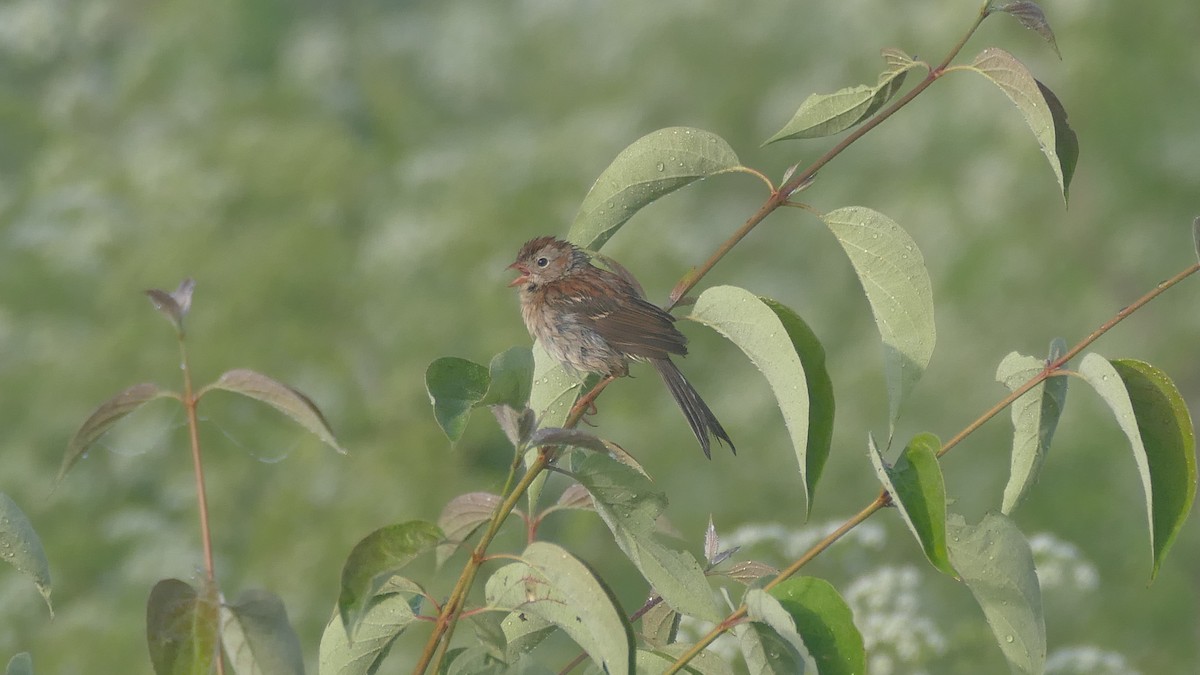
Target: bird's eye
<point x="543" y="261"/>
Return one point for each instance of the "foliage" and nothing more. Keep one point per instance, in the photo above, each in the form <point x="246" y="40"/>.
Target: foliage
<point x="782" y="622"/>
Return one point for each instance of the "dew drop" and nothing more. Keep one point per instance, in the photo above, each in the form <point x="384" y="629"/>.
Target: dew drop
<point x="1008" y="639"/>
<point x="661" y="167"/>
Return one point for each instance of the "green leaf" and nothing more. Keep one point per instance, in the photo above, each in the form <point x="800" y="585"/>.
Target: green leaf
<point x="768" y="653"/>
<point x="827" y="114"/>
<point x="258" y="638"/>
<point x="915" y="484"/>
<point x="657" y="661"/>
<point x="279" y="396"/>
<point x="996" y="564"/>
<point x="770" y="642"/>
<point x="1030" y="15"/>
<point x="1047" y="121"/>
<point x="101" y="420"/>
<point x="455" y="386"/>
<point x="820" y="393"/>
<point x="181" y="628"/>
<point x="378" y="627"/>
<point x="1165" y="428"/>
<point x="1034" y="417"/>
<point x="20" y="664"/>
<point x="1066" y="142"/>
<point x="473" y="661"/>
<point x="757" y="329"/>
<point x="655" y="165"/>
<point x="554" y="389"/>
<point x="893" y="274"/>
<point x="462" y="516"/>
<point x="630" y="507"/>
<point x="510" y="377"/>
<point x="1196" y="236"/>
<point x="552" y="584"/>
<point x="524" y="632"/>
<point x="826" y="624"/>
<point x="376" y="557"/>
<point x="21" y="547"/>
<point x="489" y="633"/>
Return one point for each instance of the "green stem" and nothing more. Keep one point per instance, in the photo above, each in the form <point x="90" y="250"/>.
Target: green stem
<point x="189" y="406"/>
<point x="449" y="615"/>
<point x="1054" y="367"/>
<point x="781" y="196"/>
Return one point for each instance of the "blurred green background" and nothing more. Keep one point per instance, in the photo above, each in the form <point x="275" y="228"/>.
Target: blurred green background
<point x="347" y="181"/>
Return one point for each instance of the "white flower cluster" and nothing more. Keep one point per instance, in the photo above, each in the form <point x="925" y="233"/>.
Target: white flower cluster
<point x="887" y="610"/>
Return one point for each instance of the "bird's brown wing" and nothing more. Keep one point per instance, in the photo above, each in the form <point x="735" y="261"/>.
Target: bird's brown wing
<point x="631" y="324"/>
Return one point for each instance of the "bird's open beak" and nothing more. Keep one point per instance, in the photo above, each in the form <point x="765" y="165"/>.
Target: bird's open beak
<point x="524" y="274"/>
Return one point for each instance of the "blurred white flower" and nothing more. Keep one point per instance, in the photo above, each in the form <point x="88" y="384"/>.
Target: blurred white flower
<point x="1087" y="660"/>
<point x="1061" y="565"/>
<point x="794" y="542"/>
<point x="887" y="610"/>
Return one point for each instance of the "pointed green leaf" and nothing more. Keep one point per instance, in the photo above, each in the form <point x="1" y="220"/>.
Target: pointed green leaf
<point x="1165" y="428"/>
<point x="1066" y="142"/>
<point x="455" y="386"/>
<point x="758" y="330"/>
<point x="915" y="484"/>
<point x="1034" y="417"/>
<point x="21" y="547"/>
<point x="629" y="506"/>
<point x="510" y="377"/>
<point x="279" y="396"/>
<point x="258" y="638"/>
<point x="996" y="564"/>
<point x="893" y="274"/>
<point x="820" y="393"/>
<point x="552" y="584"/>
<point x="1050" y="128"/>
<point x="462" y="516"/>
<point x="1167" y="481"/>
<point x="376" y="557"/>
<point x="378" y="627"/>
<point x="771" y="643"/>
<point x="101" y="420"/>
<point x="181" y="628"/>
<point x="827" y="114"/>
<point x="655" y="165"/>
<point x="21" y="664"/>
<point x="826" y="624"/>
<point x="1030" y="15"/>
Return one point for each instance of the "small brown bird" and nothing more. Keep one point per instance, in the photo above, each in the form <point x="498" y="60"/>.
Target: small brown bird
<point x="594" y="321"/>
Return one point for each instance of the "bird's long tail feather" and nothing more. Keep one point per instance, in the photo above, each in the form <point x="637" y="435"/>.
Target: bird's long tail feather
<point x="699" y="416"/>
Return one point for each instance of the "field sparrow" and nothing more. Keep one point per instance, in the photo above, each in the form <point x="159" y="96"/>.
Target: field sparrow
<point x="594" y="321"/>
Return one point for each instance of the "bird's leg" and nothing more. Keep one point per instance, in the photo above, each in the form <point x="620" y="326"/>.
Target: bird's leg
<point x="586" y="405"/>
